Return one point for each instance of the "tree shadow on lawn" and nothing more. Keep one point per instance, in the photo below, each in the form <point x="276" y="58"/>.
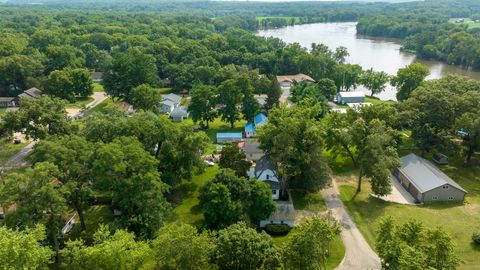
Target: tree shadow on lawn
<point x="184" y="190"/>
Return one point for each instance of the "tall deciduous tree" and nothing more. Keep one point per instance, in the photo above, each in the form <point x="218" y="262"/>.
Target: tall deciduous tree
<point x="17" y="72"/>
<point x="308" y="245"/>
<point x="202" y="104"/>
<point x="229" y="97"/>
<point x="470" y="124"/>
<point x="227" y="198"/>
<point x="22" y="249"/>
<point x="292" y="139"/>
<point x="109" y="251"/>
<point x="233" y="158"/>
<point x="129" y="70"/>
<point x="182" y="247"/>
<point x="60" y="57"/>
<point x="240" y="247"/>
<point x="39" y="117"/>
<point x="411" y="246"/>
<point x="130" y="173"/>
<point x="374" y="81"/>
<point x="38" y="199"/>
<point x="69" y="83"/>
<point x="327" y="88"/>
<point x="145" y="97"/>
<point x="347" y="76"/>
<point x="409" y="78"/>
<point x="71" y="154"/>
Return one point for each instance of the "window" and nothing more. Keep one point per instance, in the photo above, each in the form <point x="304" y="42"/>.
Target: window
<point x="268" y="176"/>
<point x="434" y="198"/>
<point x="451" y="198"/>
<point x="445" y="187"/>
<point x="274" y="192"/>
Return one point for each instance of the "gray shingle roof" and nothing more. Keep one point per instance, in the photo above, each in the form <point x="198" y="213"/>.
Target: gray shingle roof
<point x="424" y="175"/>
<point x="264" y="164"/>
<point x="173" y="97"/>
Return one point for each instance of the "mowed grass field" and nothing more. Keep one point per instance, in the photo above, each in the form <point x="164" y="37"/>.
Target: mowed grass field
<point x="469" y="22"/>
<point x="460" y="220"/>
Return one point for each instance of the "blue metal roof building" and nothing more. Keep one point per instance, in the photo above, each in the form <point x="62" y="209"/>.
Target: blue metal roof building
<point x="228" y="137"/>
<point x="260" y="119"/>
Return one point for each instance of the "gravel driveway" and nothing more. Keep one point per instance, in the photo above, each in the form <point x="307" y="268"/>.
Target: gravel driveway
<point x="358" y="254"/>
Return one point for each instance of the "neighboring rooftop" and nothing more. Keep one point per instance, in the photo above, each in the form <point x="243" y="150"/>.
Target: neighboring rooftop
<point x="173" y="97"/>
<point x="260" y="119"/>
<point x="284" y="211"/>
<point x="97" y="76"/>
<point x="424" y="175"/>
<point x="251" y="146"/>
<point x="229" y="135"/>
<point x="179" y="112"/>
<point x="31" y="93"/>
<point x="249" y="127"/>
<point x="263" y="164"/>
<point x="295" y="78"/>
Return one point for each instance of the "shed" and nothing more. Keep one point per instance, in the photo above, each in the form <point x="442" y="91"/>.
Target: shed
<point x="426" y="182"/>
<point x="179" y="114"/>
<point x="97" y="76"/>
<point x="249" y="130"/>
<point x="440" y="159"/>
<point x="350" y="97"/>
<point x="229" y="137"/>
<point x="260" y="120"/>
<point x="284" y="214"/>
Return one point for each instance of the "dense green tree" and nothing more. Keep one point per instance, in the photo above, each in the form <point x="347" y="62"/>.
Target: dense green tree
<point x="94" y="58"/>
<point x="69" y="83"/>
<point x="17" y="72"/>
<point x="250" y="106"/>
<point x="239" y="247"/>
<point x="327" y="88"/>
<point x="408" y="79"/>
<point x="60" y="57"/>
<point x="347" y="76"/>
<point x="229" y="97"/>
<point x="71" y="154"/>
<point x="130" y="173"/>
<point x="109" y="251"/>
<point x="234" y="158"/>
<point x="145" y="97"/>
<point x="374" y="81"/>
<point x="128" y="70"/>
<point x="411" y="246"/>
<point x="292" y="139"/>
<point x="274" y="92"/>
<point x="470" y="123"/>
<point x="12" y="43"/>
<point x="38" y="118"/>
<point x="369" y="143"/>
<point x="182" y="247"/>
<point x="227" y="199"/>
<point x="202" y="104"/>
<point x="38" y="199"/>
<point x="22" y="249"/>
<point x="308" y="245"/>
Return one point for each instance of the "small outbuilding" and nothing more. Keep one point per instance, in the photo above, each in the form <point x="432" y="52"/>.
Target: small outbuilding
<point x="229" y="137"/>
<point x="350" y="97"/>
<point x="7" y="102"/>
<point x="426" y="182"/>
<point x="284" y="214"/>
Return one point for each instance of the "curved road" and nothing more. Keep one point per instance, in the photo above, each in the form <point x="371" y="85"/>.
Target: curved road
<point x="358" y="254"/>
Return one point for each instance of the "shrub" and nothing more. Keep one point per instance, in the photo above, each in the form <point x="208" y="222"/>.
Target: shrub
<point x="277" y="229"/>
<point x="476" y="238"/>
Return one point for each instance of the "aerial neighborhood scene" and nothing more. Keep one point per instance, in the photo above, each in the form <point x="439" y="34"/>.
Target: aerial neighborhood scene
<point x="240" y="135"/>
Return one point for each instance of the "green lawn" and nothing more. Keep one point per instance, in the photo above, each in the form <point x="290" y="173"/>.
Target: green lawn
<point x="188" y="209"/>
<point x="469" y="22"/>
<point x="219" y="126"/>
<point x="102" y="106"/>
<point x="96" y="215"/>
<point x="308" y="201"/>
<point x="3" y="111"/>
<point x="98" y="87"/>
<point x="165" y="90"/>
<point x="80" y="102"/>
<point x="8" y="149"/>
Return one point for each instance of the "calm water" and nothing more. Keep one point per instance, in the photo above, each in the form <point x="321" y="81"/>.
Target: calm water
<point x="379" y="54"/>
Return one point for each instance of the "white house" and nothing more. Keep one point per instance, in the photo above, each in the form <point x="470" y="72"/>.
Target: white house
<point x="179" y="114"/>
<point x="350" y="97"/>
<point x="265" y="171"/>
<point x="169" y="103"/>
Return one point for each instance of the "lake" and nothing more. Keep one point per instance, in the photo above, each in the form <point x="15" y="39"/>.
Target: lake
<point x="381" y="54"/>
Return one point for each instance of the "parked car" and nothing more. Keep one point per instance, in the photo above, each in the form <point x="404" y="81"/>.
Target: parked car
<point x="209" y="163"/>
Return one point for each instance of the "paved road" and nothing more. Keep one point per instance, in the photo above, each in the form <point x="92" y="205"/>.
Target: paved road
<point x="18" y="160"/>
<point x="358" y="254"/>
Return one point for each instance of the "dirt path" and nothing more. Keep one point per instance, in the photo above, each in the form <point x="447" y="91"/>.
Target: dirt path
<point x="358" y="254"/>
